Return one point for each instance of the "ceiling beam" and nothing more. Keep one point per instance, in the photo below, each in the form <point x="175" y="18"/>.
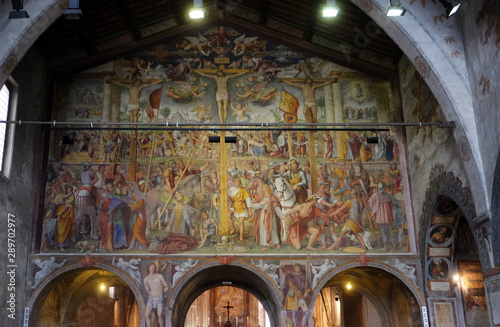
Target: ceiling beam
<point x="344" y="59"/>
<point x="136" y="33"/>
<point x="311" y="20"/>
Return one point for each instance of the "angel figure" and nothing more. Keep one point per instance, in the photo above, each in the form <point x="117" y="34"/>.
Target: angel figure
<point x="240" y="111"/>
<point x="47" y="267"/>
<point x="258" y="93"/>
<point x="193" y="43"/>
<point x="243" y="44"/>
<point x="202" y="111"/>
<point x="185" y="91"/>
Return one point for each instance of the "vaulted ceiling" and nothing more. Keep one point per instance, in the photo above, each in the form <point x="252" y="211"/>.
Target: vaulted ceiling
<point x="114" y="27"/>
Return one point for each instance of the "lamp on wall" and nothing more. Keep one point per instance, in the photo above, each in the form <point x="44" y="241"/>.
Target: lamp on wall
<point x="197" y="11"/>
<point x="395" y="9"/>
<point x="331" y="9"/>
<point x="74" y="11"/>
<point x="17" y="13"/>
<point x="451" y="7"/>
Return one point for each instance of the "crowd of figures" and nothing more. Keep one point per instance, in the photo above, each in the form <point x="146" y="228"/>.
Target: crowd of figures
<point x="270" y="203"/>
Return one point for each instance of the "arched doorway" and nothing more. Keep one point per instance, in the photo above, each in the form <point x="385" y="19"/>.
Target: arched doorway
<point x="211" y="309"/>
<point x="236" y="275"/>
<point x="366" y="296"/>
<point x="90" y="297"/>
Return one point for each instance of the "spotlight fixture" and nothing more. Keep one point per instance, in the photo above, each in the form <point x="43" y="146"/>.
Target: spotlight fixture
<point x="456" y="278"/>
<point x="451" y="7"/>
<point x="103" y="287"/>
<point x="395" y="9"/>
<point x="17" y="5"/>
<point x="197" y="11"/>
<point x="74" y="11"/>
<point x="331" y="9"/>
<point x="349" y="286"/>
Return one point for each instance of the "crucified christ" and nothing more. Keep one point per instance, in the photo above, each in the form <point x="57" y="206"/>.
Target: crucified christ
<point x="222" y="94"/>
<point x="309" y="90"/>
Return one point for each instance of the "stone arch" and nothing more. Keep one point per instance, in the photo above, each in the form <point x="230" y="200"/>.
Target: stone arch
<point x="495" y="213"/>
<point x="411" y="287"/>
<point x="371" y="263"/>
<point x="211" y="274"/>
<point x="37" y="297"/>
<point x="443" y="184"/>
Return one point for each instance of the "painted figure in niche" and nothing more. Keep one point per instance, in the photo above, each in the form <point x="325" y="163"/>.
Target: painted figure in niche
<point x="47" y="266"/>
<point x="268" y="216"/>
<point x="241" y="207"/>
<point x="438" y="269"/>
<point x="208" y="228"/>
<point x="222" y="94"/>
<point x="298" y="180"/>
<point x="131" y="268"/>
<point x="381" y="204"/>
<point x="296" y="292"/>
<point x="182" y="269"/>
<point x="353" y="225"/>
<point x="138" y="209"/>
<point x="321" y="270"/>
<point x="298" y="219"/>
<point x="309" y="92"/>
<point x="269" y="269"/>
<point x="441" y="235"/>
<point x="155" y="286"/>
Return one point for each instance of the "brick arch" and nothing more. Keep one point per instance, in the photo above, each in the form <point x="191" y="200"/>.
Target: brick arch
<point x="37" y="297"/>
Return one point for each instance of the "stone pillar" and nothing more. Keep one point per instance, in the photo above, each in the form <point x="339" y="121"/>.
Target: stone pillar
<point x="492" y="287"/>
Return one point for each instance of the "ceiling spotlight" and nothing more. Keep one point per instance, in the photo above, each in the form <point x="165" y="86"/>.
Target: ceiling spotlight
<point x="103" y="287"/>
<point x="456" y="278"/>
<point x="197" y="11"/>
<point x="17" y="5"/>
<point x="331" y="9"/>
<point x="395" y="9"/>
<point x="451" y="7"/>
<point x="74" y="11"/>
<point x="349" y="286"/>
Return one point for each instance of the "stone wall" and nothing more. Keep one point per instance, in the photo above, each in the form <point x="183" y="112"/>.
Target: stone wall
<point x="17" y="194"/>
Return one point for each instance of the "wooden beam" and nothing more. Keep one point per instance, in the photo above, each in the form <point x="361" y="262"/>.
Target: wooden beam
<point x="311" y="20"/>
<point x="344" y="59"/>
<point x="136" y="33"/>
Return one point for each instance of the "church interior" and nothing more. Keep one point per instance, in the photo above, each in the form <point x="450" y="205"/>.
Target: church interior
<point x="263" y="163"/>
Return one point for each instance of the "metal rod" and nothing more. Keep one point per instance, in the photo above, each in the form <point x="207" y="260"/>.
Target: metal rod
<point x="220" y="129"/>
<point x="54" y="123"/>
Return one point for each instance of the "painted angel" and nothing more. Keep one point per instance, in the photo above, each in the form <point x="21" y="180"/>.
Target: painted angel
<point x="243" y="44"/>
<point x="193" y="43"/>
<point x="258" y="93"/>
<point x="240" y="112"/>
<point x="202" y="110"/>
<point x="185" y="91"/>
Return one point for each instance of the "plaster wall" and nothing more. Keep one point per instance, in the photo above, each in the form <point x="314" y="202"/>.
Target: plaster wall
<point x="427" y="146"/>
<point x="481" y="36"/>
<point x="17" y="194"/>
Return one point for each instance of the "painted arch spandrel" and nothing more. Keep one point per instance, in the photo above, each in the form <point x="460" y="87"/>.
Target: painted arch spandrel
<point x="280" y="191"/>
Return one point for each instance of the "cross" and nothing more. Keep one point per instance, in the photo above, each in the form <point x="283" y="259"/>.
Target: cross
<point x="228" y="307"/>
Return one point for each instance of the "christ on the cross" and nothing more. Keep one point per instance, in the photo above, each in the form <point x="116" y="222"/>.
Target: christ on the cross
<point x="222" y="94"/>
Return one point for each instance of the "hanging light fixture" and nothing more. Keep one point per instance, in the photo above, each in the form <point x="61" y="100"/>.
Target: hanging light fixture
<point x="451" y="7"/>
<point x="331" y="9"/>
<point x="395" y="9"/>
<point x="74" y="11"/>
<point x="197" y="11"/>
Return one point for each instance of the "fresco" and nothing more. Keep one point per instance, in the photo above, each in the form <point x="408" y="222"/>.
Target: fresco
<point x="170" y="190"/>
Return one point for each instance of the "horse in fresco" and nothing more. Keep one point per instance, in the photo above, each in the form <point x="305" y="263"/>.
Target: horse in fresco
<point x="286" y="195"/>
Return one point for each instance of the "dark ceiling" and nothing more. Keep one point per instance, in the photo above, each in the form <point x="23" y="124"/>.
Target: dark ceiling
<point x="114" y="27"/>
